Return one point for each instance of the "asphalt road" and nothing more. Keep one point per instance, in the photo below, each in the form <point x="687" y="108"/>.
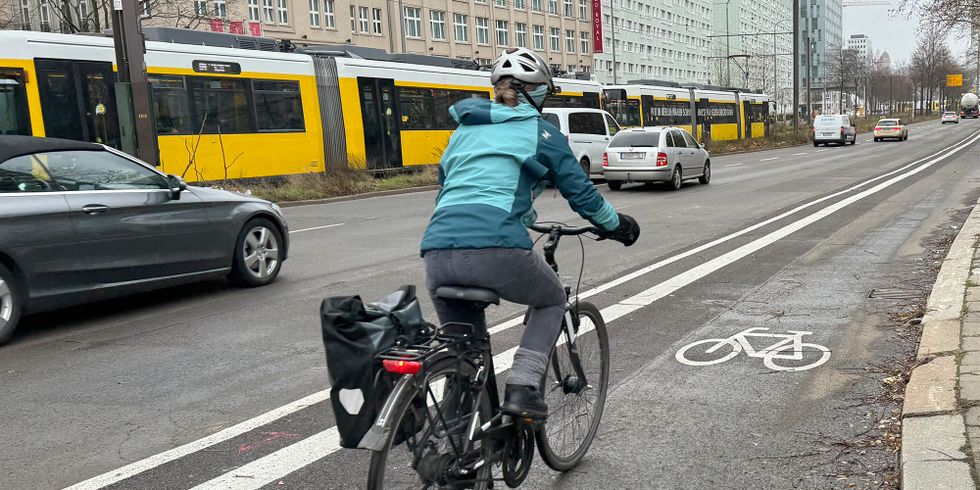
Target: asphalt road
<point x="174" y="389"/>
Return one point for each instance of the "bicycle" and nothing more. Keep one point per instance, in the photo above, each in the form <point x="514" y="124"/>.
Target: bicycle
<point x="444" y="410"/>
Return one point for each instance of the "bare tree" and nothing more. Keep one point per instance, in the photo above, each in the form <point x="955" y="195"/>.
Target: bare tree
<point x="930" y="63"/>
<point x="74" y="16"/>
<point x="841" y="68"/>
<point x="8" y="14"/>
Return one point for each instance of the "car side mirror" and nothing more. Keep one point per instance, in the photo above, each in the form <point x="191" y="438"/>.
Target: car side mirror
<point x="176" y="185"/>
<point x="701" y="145"/>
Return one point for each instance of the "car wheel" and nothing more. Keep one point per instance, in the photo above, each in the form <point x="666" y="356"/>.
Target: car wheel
<point x="258" y="254"/>
<point x="676" y="178"/>
<point x="586" y="166"/>
<point x="10" y="305"/>
<point x="815" y="144"/>
<point x="877" y="139"/>
<point x="614" y="185"/>
<point x="706" y="177"/>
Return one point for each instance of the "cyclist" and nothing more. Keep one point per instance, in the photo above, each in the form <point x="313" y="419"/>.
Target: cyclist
<point x="496" y="163"/>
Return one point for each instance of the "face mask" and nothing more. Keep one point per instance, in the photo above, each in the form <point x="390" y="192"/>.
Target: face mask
<point x="538" y="94"/>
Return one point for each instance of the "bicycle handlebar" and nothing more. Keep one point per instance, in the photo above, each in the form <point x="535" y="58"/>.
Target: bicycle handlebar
<point x="565" y="230"/>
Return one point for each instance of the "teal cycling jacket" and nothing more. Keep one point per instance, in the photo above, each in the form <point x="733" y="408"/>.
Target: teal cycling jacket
<point x="497" y="162"/>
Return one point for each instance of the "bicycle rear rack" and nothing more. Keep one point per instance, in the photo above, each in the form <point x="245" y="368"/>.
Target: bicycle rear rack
<point x="450" y="337"/>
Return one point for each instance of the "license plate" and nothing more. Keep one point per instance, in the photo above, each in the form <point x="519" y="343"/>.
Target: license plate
<point x="632" y="156"/>
<point x="828" y="134"/>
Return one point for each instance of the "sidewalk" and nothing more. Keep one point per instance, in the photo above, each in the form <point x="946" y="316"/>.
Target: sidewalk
<point x="941" y="416"/>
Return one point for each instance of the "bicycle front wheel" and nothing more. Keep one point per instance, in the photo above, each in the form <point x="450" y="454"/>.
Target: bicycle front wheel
<point x="427" y="438"/>
<point x="575" y="407"/>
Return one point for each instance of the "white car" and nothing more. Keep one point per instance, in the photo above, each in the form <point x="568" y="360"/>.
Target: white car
<point x="655" y="154"/>
<point x="588" y="131"/>
<point x="950" y="117"/>
<point x="834" y="128"/>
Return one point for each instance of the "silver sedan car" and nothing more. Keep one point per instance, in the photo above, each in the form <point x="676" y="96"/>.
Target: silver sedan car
<point x="81" y="222"/>
<point x="655" y="154"/>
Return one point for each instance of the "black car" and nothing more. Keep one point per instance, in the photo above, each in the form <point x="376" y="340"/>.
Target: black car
<point x="81" y="222"/>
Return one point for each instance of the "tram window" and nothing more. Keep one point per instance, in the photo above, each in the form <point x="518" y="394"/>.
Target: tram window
<point x="170" y="104"/>
<point x="718" y="112"/>
<point x="585" y="101"/>
<point x="627" y="112"/>
<point x="428" y="108"/>
<point x="278" y="105"/>
<point x="221" y="103"/>
<point x="14" y="118"/>
<point x="665" y="112"/>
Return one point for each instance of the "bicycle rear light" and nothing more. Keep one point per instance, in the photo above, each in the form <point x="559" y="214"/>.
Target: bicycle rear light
<point x="401" y="367"/>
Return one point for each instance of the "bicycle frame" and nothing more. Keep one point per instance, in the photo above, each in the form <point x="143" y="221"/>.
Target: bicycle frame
<point x="796" y="339"/>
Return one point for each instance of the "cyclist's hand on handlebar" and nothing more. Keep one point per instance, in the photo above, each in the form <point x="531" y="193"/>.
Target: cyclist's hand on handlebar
<point x="628" y="231"/>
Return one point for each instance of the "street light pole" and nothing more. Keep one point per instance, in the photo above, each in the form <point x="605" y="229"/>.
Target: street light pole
<point x="796" y="66"/>
<point x="728" y="48"/>
<point x="612" y="30"/>
<point x="809" y="73"/>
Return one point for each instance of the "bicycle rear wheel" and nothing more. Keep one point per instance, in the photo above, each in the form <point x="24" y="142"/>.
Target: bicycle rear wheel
<point x="574" y="411"/>
<point x="432" y="433"/>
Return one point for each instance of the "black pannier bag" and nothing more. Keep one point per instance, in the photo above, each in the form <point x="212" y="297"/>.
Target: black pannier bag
<point x="353" y="334"/>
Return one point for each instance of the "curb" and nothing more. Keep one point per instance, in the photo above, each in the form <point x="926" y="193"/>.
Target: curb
<point x="936" y="444"/>
<point x="358" y="197"/>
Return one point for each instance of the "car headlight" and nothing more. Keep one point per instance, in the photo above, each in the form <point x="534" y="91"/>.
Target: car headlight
<point x="276" y="209"/>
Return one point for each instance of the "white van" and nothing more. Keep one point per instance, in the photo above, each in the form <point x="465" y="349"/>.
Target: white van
<point x="588" y="131"/>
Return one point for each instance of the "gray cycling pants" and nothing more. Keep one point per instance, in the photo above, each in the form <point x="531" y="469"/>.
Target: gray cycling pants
<point x="517" y="275"/>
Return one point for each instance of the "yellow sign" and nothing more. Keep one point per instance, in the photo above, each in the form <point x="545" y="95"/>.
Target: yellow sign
<point x="954" y="80"/>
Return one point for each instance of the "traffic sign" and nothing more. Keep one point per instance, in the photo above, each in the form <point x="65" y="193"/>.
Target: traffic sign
<point x="955" y="80"/>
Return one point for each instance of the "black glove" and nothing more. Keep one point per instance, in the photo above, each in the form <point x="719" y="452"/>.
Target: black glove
<point x="628" y="231"/>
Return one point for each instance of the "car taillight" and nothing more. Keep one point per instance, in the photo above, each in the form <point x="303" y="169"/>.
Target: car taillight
<point x="877" y="128"/>
<point x="605" y="159"/>
<point x="661" y="159"/>
<point x="401" y="367"/>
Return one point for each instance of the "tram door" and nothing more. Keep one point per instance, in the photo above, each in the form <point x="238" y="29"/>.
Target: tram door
<point x="748" y="119"/>
<point x="382" y="126"/>
<point x="78" y="101"/>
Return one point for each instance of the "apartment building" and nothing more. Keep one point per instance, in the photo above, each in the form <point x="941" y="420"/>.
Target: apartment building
<point x="861" y="44"/>
<point x="821" y="24"/>
<point x="660" y="39"/>
<point x="560" y="30"/>
<point x="753" y="45"/>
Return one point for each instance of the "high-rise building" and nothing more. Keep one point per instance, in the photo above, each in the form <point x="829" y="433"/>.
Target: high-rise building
<point x="861" y="44"/>
<point x="821" y="26"/>
<point x="560" y="30"/>
<point x="752" y="46"/>
<point x="655" y="39"/>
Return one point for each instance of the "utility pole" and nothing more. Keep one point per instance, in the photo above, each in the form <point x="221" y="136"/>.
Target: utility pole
<point x="728" y="48"/>
<point x="796" y="66"/>
<point x="136" y="126"/>
<point x="809" y="73"/>
<point x="612" y="30"/>
<point x="401" y="28"/>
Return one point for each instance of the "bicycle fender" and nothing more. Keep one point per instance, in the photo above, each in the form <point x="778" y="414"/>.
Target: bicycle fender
<point x="377" y="435"/>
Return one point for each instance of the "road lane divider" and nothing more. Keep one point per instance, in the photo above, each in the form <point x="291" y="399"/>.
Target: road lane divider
<point x="298" y="455"/>
<point x="301" y="230"/>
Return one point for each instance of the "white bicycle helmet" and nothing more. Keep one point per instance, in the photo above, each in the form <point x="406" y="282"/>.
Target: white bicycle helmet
<point x="524" y="65"/>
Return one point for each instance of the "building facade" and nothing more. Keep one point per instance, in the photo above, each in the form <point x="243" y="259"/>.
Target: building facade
<point x="861" y="44"/>
<point x="655" y="39"/>
<point x="821" y="26"/>
<point x="560" y="30"/>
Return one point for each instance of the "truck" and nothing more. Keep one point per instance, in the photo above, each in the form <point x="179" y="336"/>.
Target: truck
<point x="969" y="106"/>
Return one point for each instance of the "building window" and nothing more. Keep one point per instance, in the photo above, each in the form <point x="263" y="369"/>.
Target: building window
<point x="353" y="21"/>
<point x="314" y="13"/>
<point x="145" y="8"/>
<point x="501" y="3"/>
<point x="569" y="8"/>
<point x="482" y="30"/>
<point x="413" y="22"/>
<point x="570" y="41"/>
<point x="536" y="5"/>
<point x="376" y="20"/>
<point x="538" y="37"/>
<point x="269" y="11"/>
<point x="283" y="12"/>
<point x="520" y="35"/>
<point x="502" y="33"/>
<point x="200" y="8"/>
<point x="253" y="10"/>
<point x="519" y="4"/>
<point x="328" y="18"/>
<point x="585" y="38"/>
<point x="583" y="9"/>
<point x="362" y="17"/>
<point x="553" y="7"/>
<point x="462" y="27"/>
<point x="555" y="39"/>
<point x="437" y="23"/>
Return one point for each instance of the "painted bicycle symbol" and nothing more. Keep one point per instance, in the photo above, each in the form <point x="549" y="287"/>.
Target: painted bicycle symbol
<point x="789" y="353"/>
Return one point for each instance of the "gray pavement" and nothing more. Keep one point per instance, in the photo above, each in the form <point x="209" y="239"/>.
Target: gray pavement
<point x="93" y="389"/>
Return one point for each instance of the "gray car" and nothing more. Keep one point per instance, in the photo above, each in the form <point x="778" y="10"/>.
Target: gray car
<point x="655" y="154"/>
<point x="81" y="222"/>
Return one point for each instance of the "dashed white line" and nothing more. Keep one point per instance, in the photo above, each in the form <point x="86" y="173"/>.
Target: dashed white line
<point x="734" y="164"/>
<point x="825" y="149"/>
<point x="769" y="159"/>
<point x="301" y="230"/>
<point x="866" y="141"/>
<point x="799" y="154"/>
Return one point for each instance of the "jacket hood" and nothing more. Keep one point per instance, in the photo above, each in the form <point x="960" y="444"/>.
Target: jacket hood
<point x="471" y="112"/>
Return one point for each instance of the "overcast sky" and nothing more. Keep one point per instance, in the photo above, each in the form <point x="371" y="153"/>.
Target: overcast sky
<point x="890" y="32"/>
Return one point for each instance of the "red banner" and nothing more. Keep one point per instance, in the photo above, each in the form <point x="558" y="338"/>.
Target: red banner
<point x="236" y="27"/>
<point x="255" y="28"/>
<point x="597" y="26"/>
<point x="217" y="25"/>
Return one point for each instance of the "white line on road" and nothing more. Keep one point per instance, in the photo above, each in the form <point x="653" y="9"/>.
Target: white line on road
<point x="825" y="149"/>
<point x="277" y="465"/>
<point x="502" y="361"/>
<point x="769" y="159"/>
<point x="301" y="230"/>
<point x="866" y="141"/>
<point x="734" y="164"/>
<point x="798" y="154"/>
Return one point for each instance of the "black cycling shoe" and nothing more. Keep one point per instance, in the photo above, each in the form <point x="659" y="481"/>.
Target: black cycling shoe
<point x="524" y="402"/>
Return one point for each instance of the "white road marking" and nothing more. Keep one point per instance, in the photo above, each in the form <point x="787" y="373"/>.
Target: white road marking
<point x="798" y="154"/>
<point x="790" y="347"/>
<point x="769" y="159"/>
<point x="504" y="360"/>
<point x="866" y="141"/>
<point x="292" y="458"/>
<point x="734" y="164"/>
<point x="825" y="149"/>
<point x="301" y="230"/>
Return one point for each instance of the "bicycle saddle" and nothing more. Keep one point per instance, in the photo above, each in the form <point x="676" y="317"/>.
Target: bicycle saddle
<point x="476" y="295"/>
